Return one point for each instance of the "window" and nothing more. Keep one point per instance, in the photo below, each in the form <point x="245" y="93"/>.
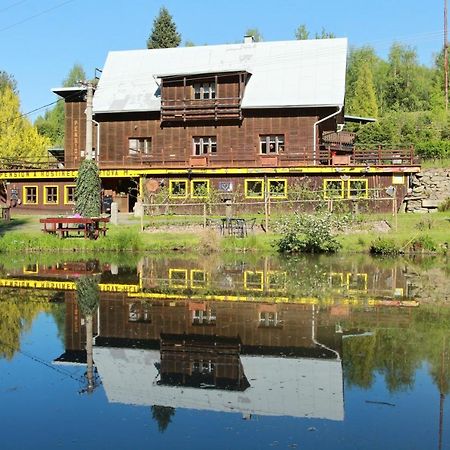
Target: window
<point x="333" y="188"/>
<point x="204" y="145"/>
<point x="271" y="143"/>
<point x="178" y="188"/>
<point x="199" y="188"/>
<point x="203" y="367"/>
<point x="69" y="195"/>
<point x="277" y="188"/>
<point x="268" y="319"/>
<point x="30" y="195"/>
<point x="50" y="195"/>
<point x="199" y="278"/>
<point x="254" y="188"/>
<point x="205" y="91"/>
<point x="253" y="280"/>
<point x="178" y="277"/>
<point x="139" y="312"/>
<point x="204" y="317"/>
<point x="358" y="188"/>
<point x="138" y="146"/>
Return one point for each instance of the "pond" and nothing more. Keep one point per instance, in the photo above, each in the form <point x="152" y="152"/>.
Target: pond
<point x="241" y="352"/>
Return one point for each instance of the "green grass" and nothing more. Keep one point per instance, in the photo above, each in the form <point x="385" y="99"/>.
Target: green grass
<point x="443" y="163"/>
<point x="23" y="235"/>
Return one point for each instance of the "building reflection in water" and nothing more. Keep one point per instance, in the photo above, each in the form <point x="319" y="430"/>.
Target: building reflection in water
<point x="262" y="338"/>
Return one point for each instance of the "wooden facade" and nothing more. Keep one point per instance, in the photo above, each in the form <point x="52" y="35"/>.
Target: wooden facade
<point x="202" y="130"/>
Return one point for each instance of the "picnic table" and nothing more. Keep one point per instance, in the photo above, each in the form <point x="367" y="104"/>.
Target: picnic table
<point x="89" y="227"/>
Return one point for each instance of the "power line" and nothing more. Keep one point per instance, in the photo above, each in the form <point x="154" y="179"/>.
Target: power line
<point x="12" y="6"/>
<point x="36" y="15"/>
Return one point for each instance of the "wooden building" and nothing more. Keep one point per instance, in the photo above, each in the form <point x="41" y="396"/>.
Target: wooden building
<point x="243" y="121"/>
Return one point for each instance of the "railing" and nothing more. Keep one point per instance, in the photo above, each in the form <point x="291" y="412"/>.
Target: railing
<point x="190" y="110"/>
<point x="325" y="156"/>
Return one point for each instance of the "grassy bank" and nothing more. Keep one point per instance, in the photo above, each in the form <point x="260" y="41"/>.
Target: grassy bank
<point x="409" y="232"/>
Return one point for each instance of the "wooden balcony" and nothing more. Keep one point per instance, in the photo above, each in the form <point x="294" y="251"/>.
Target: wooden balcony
<point x="325" y="156"/>
<point x="193" y="110"/>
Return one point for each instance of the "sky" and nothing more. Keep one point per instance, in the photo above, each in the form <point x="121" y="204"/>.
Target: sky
<point x="41" y="40"/>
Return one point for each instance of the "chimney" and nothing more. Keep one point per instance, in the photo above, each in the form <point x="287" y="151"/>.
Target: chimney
<point x="248" y="39"/>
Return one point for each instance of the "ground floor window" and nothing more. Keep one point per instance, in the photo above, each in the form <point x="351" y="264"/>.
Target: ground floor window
<point x="268" y="319"/>
<point x="204" y="317"/>
<point x="277" y="187"/>
<point x="50" y="195"/>
<point x="178" y="188"/>
<point x="178" y="278"/>
<point x="69" y="195"/>
<point x="253" y="280"/>
<point x="30" y="195"/>
<point x="199" y="188"/>
<point x="333" y="188"/>
<point x="199" y="278"/>
<point x="204" y="145"/>
<point x="254" y="188"/>
<point x="358" y="188"/>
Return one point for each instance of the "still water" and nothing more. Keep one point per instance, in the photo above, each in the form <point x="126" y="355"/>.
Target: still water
<point x="238" y="353"/>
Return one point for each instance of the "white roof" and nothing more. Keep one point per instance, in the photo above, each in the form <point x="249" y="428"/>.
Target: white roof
<point x="300" y="387"/>
<point x="283" y="74"/>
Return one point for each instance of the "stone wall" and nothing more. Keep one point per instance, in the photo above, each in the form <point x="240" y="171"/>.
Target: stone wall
<point x="428" y="189"/>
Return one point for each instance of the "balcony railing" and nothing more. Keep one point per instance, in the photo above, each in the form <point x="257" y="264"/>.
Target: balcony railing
<point x="191" y="110"/>
<point x="325" y="156"/>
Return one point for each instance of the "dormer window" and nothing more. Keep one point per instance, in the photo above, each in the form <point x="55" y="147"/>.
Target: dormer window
<point x="204" y="91"/>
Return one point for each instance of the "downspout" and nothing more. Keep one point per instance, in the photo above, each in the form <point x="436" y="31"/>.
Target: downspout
<point x="315" y="131"/>
<point x="97" y="150"/>
<point x="313" y="335"/>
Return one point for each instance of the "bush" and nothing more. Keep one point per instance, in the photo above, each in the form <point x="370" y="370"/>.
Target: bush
<point x="423" y="243"/>
<point x="385" y="246"/>
<point x="434" y="149"/>
<point x="309" y="233"/>
<point x="445" y="205"/>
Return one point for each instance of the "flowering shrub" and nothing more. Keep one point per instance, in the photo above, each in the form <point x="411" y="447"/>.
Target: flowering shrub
<point x="310" y="233"/>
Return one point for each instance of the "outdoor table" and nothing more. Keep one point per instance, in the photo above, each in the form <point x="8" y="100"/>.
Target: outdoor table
<point x="90" y="227"/>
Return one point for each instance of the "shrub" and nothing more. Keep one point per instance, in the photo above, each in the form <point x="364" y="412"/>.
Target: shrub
<point x="423" y="243"/>
<point x="309" y="233"/>
<point x="434" y="149"/>
<point x="385" y="246"/>
<point x="445" y="205"/>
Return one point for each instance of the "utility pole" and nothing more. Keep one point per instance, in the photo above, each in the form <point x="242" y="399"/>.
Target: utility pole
<point x="445" y="56"/>
<point x="89" y="97"/>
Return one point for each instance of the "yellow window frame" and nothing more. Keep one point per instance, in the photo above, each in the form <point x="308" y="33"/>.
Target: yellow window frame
<point x="249" y="194"/>
<point x="193" y="191"/>
<point x="326" y="190"/>
<point x="178" y="282"/>
<point x="66" y="194"/>
<point x="173" y="182"/>
<point x="24" y="195"/>
<point x="197" y="283"/>
<point x="46" y="202"/>
<point x="276" y="280"/>
<point x="281" y="194"/>
<point x="252" y="287"/>
<point x="365" y="193"/>
<point x="31" y="269"/>
<point x="357" y="277"/>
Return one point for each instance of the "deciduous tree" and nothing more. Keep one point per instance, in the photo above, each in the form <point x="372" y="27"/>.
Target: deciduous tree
<point x="18" y="138"/>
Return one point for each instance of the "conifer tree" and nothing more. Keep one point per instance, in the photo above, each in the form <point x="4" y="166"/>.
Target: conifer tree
<point x="164" y="32"/>
<point x="88" y="190"/>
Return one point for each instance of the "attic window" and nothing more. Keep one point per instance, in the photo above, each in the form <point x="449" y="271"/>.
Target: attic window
<point x="204" y="91"/>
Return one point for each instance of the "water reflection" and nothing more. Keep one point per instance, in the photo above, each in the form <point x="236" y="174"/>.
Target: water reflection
<point x="256" y="337"/>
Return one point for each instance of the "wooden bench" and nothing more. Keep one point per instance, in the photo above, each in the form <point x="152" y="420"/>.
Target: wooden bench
<point x="89" y="227"/>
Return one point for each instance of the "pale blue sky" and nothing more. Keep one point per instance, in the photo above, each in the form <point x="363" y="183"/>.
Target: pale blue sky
<point x="40" y="40"/>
